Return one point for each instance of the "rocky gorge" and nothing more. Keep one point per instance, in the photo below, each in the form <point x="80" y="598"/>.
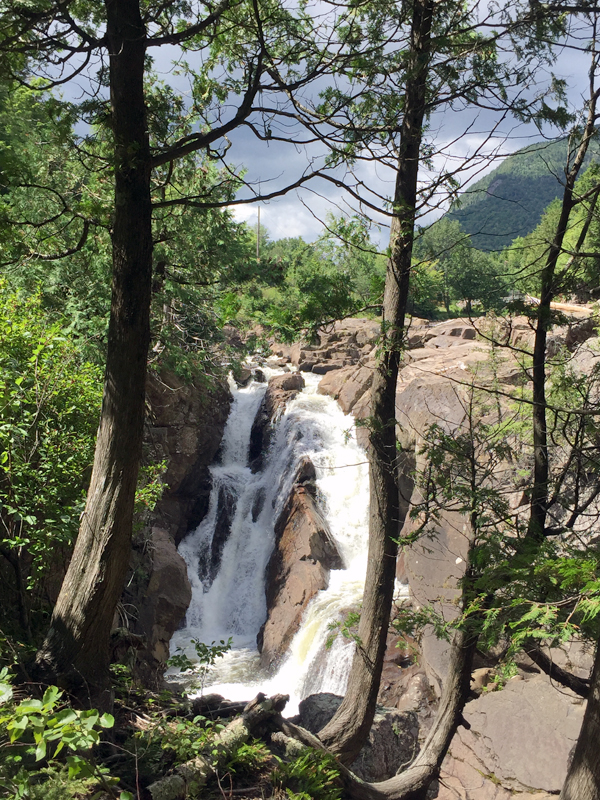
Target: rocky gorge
<point x="521" y="736"/>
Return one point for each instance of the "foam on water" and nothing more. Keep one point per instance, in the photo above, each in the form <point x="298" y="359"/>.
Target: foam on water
<point x="232" y="603"/>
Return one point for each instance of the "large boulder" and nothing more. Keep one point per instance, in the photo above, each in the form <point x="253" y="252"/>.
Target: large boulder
<point x="392" y="742"/>
<point x="518" y="745"/>
<point x="164" y="604"/>
<point x="347" y="385"/>
<point x="299" y="567"/>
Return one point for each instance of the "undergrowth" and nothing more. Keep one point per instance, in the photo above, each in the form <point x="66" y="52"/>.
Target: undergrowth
<point x="50" y="750"/>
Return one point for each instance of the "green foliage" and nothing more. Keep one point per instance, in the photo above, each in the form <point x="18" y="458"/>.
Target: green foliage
<point x="206" y="658"/>
<point x="44" y="739"/>
<point x="347" y="627"/>
<point x="49" y="406"/>
<point x="184" y="739"/>
<point x="302" y="285"/>
<point x="412" y="622"/>
<point x="55" y="220"/>
<point x="509" y="202"/>
<point x="526" y="256"/>
<point x="149" y="489"/>
<point x="248" y="758"/>
<point x="426" y="292"/>
<point x="312" y="774"/>
<point x="464" y="275"/>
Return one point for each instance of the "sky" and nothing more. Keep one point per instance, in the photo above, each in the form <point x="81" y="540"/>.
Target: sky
<point x="302" y="212"/>
<point x="271" y="166"/>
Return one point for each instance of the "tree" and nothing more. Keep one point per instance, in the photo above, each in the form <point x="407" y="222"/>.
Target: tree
<point x="444" y="60"/>
<point x="469" y="275"/>
<point x="48" y="416"/>
<point x="61" y="40"/>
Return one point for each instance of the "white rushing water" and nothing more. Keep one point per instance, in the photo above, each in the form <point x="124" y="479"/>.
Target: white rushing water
<point x="231" y="603"/>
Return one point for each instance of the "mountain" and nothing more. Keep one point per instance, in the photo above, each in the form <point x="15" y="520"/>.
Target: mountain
<point x="510" y="200"/>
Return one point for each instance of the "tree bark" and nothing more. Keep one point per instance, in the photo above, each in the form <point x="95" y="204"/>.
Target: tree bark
<point x="583" y="777"/>
<point x="413" y="783"/>
<point x="541" y="471"/>
<point x="347" y="731"/>
<point x="77" y="645"/>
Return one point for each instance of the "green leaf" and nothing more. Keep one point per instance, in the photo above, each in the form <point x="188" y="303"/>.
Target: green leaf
<point x="51" y="695"/>
<point x="106" y="721"/>
<point x="40" y="750"/>
<point x="6" y="693"/>
<point x="28" y="706"/>
<point x="64" y="717"/>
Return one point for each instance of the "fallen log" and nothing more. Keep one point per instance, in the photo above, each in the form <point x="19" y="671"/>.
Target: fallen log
<point x="189" y="778"/>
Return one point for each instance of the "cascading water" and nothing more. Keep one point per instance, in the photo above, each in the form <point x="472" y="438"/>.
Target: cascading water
<point x="228" y="576"/>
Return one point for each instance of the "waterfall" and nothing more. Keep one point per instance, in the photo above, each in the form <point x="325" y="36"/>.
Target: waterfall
<point x="227" y="576"/>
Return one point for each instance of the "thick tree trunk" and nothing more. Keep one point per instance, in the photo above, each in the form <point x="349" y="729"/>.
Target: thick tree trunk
<point x="347" y="731"/>
<point x="583" y="778"/>
<point x="76" y="647"/>
<point x="413" y="783"/>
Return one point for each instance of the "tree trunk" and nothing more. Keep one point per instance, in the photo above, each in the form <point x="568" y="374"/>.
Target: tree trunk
<point x="540" y="489"/>
<point x="347" y="731"/>
<point x="413" y="783"/>
<point x="583" y="777"/>
<point x="77" y="645"/>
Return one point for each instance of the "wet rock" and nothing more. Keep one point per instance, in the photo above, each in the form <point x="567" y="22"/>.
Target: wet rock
<point x="281" y="389"/>
<point x="226" y="505"/>
<point x="392" y="742"/>
<point x="243" y="376"/>
<point x="167" y="597"/>
<point x="299" y="567"/>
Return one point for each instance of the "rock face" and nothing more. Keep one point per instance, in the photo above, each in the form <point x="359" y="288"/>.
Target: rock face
<point x="298" y="568"/>
<point x="184" y="427"/>
<point x="392" y="742"/>
<point x="167" y="597"/>
<point x="520" y="738"/>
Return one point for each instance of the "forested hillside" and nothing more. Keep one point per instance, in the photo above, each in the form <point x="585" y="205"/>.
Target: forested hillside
<point x="510" y="200"/>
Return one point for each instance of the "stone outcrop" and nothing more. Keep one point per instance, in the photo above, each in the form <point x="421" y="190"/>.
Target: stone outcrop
<point x="520" y="739"/>
<point x="299" y="567"/>
<point x="166" y="599"/>
<point x="184" y="427"/>
<point x="392" y="743"/>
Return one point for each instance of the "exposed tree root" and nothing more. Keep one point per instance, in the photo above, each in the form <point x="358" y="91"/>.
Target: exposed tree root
<point x="413" y="783"/>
